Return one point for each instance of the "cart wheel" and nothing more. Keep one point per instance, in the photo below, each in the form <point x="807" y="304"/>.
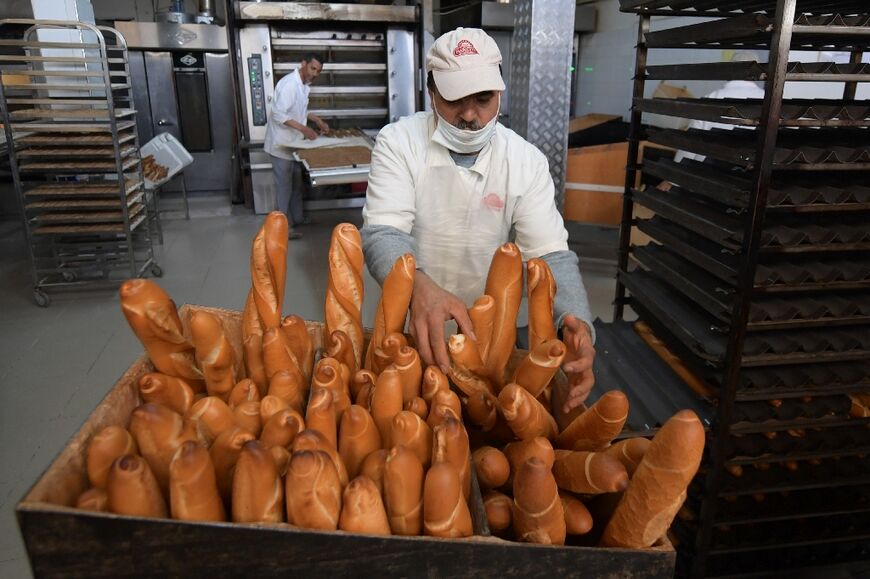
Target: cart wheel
<point x="156" y="270"/>
<point x="41" y="298"/>
<point x="68" y="276"/>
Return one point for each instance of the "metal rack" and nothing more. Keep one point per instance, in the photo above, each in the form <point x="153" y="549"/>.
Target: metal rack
<point x="757" y="278"/>
<point x="74" y="154"/>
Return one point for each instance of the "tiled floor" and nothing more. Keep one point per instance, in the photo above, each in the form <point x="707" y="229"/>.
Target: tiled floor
<point x="57" y="363"/>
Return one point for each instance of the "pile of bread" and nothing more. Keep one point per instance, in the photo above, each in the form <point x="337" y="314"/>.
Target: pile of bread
<point x="360" y="437"/>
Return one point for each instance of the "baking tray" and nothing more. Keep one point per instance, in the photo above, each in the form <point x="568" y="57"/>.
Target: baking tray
<point x="706" y="339"/>
<point x="70" y="139"/>
<point x="79" y="167"/>
<point x="72" y="127"/>
<point x="810" y="474"/>
<point x="758" y="71"/>
<point x="78" y="204"/>
<point x="114" y="228"/>
<point x="747" y="112"/>
<point x="789" y="413"/>
<point x="772" y="382"/>
<point x="754" y="31"/>
<point x="732" y="186"/>
<point x="730" y="7"/>
<point x="82" y="113"/>
<point x="75" y="152"/>
<point x="111" y="216"/>
<point x="82" y="189"/>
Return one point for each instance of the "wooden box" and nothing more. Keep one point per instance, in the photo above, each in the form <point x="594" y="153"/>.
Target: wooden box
<point x="66" y="542"/>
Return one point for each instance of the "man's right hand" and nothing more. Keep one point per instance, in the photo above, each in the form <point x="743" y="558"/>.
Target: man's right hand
<point x="309" y="133"/>
<point x="431" y="307"/>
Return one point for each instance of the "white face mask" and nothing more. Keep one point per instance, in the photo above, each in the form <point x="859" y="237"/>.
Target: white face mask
<point x="463" y="141"/>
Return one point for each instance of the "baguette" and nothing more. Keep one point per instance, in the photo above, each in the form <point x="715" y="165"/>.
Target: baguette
<point x="269" y="269"/>
<point x="418" y="406"/>
<point x="193" y="492"/>
<point x="519" y="452"/>
<point x="386" y="352"/>
<point x="154" y="319"/>
<point x="403" y="491"/>
<point x="174" y="393"/>
<point x="498" y="507"/>
<point x="107" y="445"/>
<point x="538" y="516"/>
<point x="539" y="366"/>
<point x="629" y="452"/>
<point x="578" y="519"/>
<point x="491" y="466"/>
<point x="210" y="416"/>
<point x="333" y="376"/>
<point x="410" y="431"/>
<point x="373" y="467"/>
<point x="159" y="432"/>
<point x="310" y="439"/>
<point x="445" y="511"/>
<point x="526" y="416"/>
<point x="393" y="305"/>
<point x="453" y="437"/>
<point x="504" y="283"/>
<point x="386" y="402"/>
<point x="542" y="293"/>
<point x="278" y="356"/>
<point x="466" y="368"/>
<point x="598" y="425"/>
<point x="252" y="344"/>
<point x="482" y="315"/>
<point x="589" y="473"/>
<point x="344" y="289"/>
<point x="360" y="380"/>
<point x="224" y="454"/>
<point x="281" y="428"/>
<point x="433" y="381"/>
<point x="287" y="385"/>
<point x="300" y="344"/>
<point x="93" y="499"/>
<point x="271" y="405"/>
<point x="407" y="362"/>
<point x="244" y="391"/>
<point x="362" y="509"/>
<point x="483" y="411"/>
<point x="658" y="488"/>
<point x="320" y="415"/>
<point x="214" y="353"/>
<point x="258" y="495"/>
<point x="312" y="491"/>
<point x="444" y="403"/>
<point x="247" y="416"/>
<point x="339" y="347"/>
<point x="131" y="489"/>
<point x="358" y="437"/>
<point x="281" y="456"/>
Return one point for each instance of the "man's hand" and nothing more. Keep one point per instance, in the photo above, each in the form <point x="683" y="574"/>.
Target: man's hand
<point x="309" y="133"/>
<point x="578" y="361"/>
<point x="322" y="127"/>
<point x="431" y="307"/>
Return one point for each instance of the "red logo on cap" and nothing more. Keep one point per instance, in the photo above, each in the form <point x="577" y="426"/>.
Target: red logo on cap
<point x="463" y="48"/>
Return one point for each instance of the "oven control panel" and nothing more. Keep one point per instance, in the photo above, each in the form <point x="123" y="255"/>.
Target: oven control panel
<point x="258" y="94"/>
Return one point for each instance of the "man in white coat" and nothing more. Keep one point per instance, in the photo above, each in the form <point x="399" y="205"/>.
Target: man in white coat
<point x="288" y="124"/>
<point x="453" y="186"/>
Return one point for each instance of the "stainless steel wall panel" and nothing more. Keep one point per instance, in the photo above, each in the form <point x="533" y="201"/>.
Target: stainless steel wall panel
<point x="401" y="65"/>
<point x="541" y="79"/>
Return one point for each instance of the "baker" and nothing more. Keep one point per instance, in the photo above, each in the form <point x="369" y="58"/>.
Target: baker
<point x="288" y="124"/>
<point x="451" y="187"/>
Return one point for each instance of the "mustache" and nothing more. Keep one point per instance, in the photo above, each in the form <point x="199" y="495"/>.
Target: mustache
<point x="467" y="125"/>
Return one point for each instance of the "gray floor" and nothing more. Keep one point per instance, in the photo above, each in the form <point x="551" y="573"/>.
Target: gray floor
<point x="57" y="363"/>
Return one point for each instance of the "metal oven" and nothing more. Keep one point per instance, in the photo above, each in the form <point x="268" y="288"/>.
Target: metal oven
<point x="370" y="78"/>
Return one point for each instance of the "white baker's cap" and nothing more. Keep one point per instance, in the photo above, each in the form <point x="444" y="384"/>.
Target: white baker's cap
<point x="465" y="61"/>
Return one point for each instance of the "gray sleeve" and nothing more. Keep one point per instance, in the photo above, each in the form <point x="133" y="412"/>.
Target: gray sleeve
<point x="570" y="292"/>
<point x="382" y="246"/>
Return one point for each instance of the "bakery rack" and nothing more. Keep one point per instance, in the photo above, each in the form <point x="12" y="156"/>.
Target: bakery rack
<point x="73" y="149"/>
<point x="757" y="280"/>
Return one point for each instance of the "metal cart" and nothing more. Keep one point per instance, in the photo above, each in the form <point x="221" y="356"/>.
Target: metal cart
<point x="74" y="154"/>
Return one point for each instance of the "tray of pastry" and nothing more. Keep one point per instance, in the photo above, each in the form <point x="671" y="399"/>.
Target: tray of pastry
<point x="72" y="127"/>
<point x="136" y="219"/>
<point x="82" y="189"/>
<point x="83" y="113"/>
<point x="79" y="204"/>
<point x="76" y="166"/>
<point x="76" y="151"/>
<point x="110" y="216"/>
<point x="335" y="157"/>
<point x="64" y="139"/>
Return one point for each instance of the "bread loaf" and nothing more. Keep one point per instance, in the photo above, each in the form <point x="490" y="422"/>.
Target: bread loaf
<point x="331" y="375"/>
<point x="159" y="432"/>
<point x="483" y="411"/>
<point x="258" y="495"/>
<point x="339" y="346"/>
<point x="659" y="485"/>
<point x="358" y="437"/>
<point x="482" y="315"/>
<point x="193" y="492"/>
<point x="214" y="354"/>
<point x="466" y="368"/>
<point x="410" y="431"/>
<point x="453" y="437"/>
<point x="310" y="439"/>
<point x="542" y="293"/>
<point x="320" y="415"/>
<point x="269" y="268"/>
<point x="252" y="345"/>
<point x="600" y="424"/>
<point x="526" y="416"/>
<point x="247" y="416"/>
<point x="393" y="305"/>
<point x="386" y="402"/>
<point x="152" y="315"/>
<point x="271" y="405"/>
<point x="589" y="473"/>
<point x="373" y="467"/>
<point x="174" y="393"/>
<point x="244" y="391"/>
<point x="362" y="509"/>
<point x="578" y="519"/>
<point x="281" y="428"/>
<point x="403" y="491"/>
<point x="433" y="381"/>
<point x="539" y="366"/>
<point x="498" y="507"/>
<point x="312" y="491"/>
<point x="281" y="456"/>
<point x="445" y="512"/>
<point x="418" y="406"/>
<point x="287" y="385"/>
<point x="407" y="363"/>
<point x="445" y="403"/>
<point x="278" y="357"/>
<point x="629" y="452"/>
<point x="505" y="284"/>
<point x="300" y="343"/>
<point x="107" y="445"/>
<point x="491" y="466"/>
<point x="224" y="455"/>
<point x="93" y="499"/>
<point x="210" y="416"/>
<point x="537" y="514"/>
<point x="131" y="489"/>
<point x="344" y="289"/>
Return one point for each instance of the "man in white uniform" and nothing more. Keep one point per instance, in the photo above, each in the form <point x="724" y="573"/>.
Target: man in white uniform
<point x="453" y="186"/>
<point x="288" y="124"/>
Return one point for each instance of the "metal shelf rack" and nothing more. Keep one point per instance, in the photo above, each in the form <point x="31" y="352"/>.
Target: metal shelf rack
<point x="757" y="279"/>
<point x="68" y="117"/>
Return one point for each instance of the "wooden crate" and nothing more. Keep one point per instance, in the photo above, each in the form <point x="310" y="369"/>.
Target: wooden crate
<point x="66" y="542"/>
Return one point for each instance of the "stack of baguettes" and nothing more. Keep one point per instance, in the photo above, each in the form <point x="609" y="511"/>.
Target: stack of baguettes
<point x="361" y="441"/>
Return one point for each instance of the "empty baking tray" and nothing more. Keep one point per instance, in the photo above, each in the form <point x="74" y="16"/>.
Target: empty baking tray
<point x="730" y="7"/>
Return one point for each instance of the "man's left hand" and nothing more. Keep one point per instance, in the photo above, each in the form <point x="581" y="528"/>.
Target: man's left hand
<point x="323" y="127"/>
<point x="578" y="361"/>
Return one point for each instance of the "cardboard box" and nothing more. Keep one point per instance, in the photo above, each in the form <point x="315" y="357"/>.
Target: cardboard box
<point x="66" y="542"/>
